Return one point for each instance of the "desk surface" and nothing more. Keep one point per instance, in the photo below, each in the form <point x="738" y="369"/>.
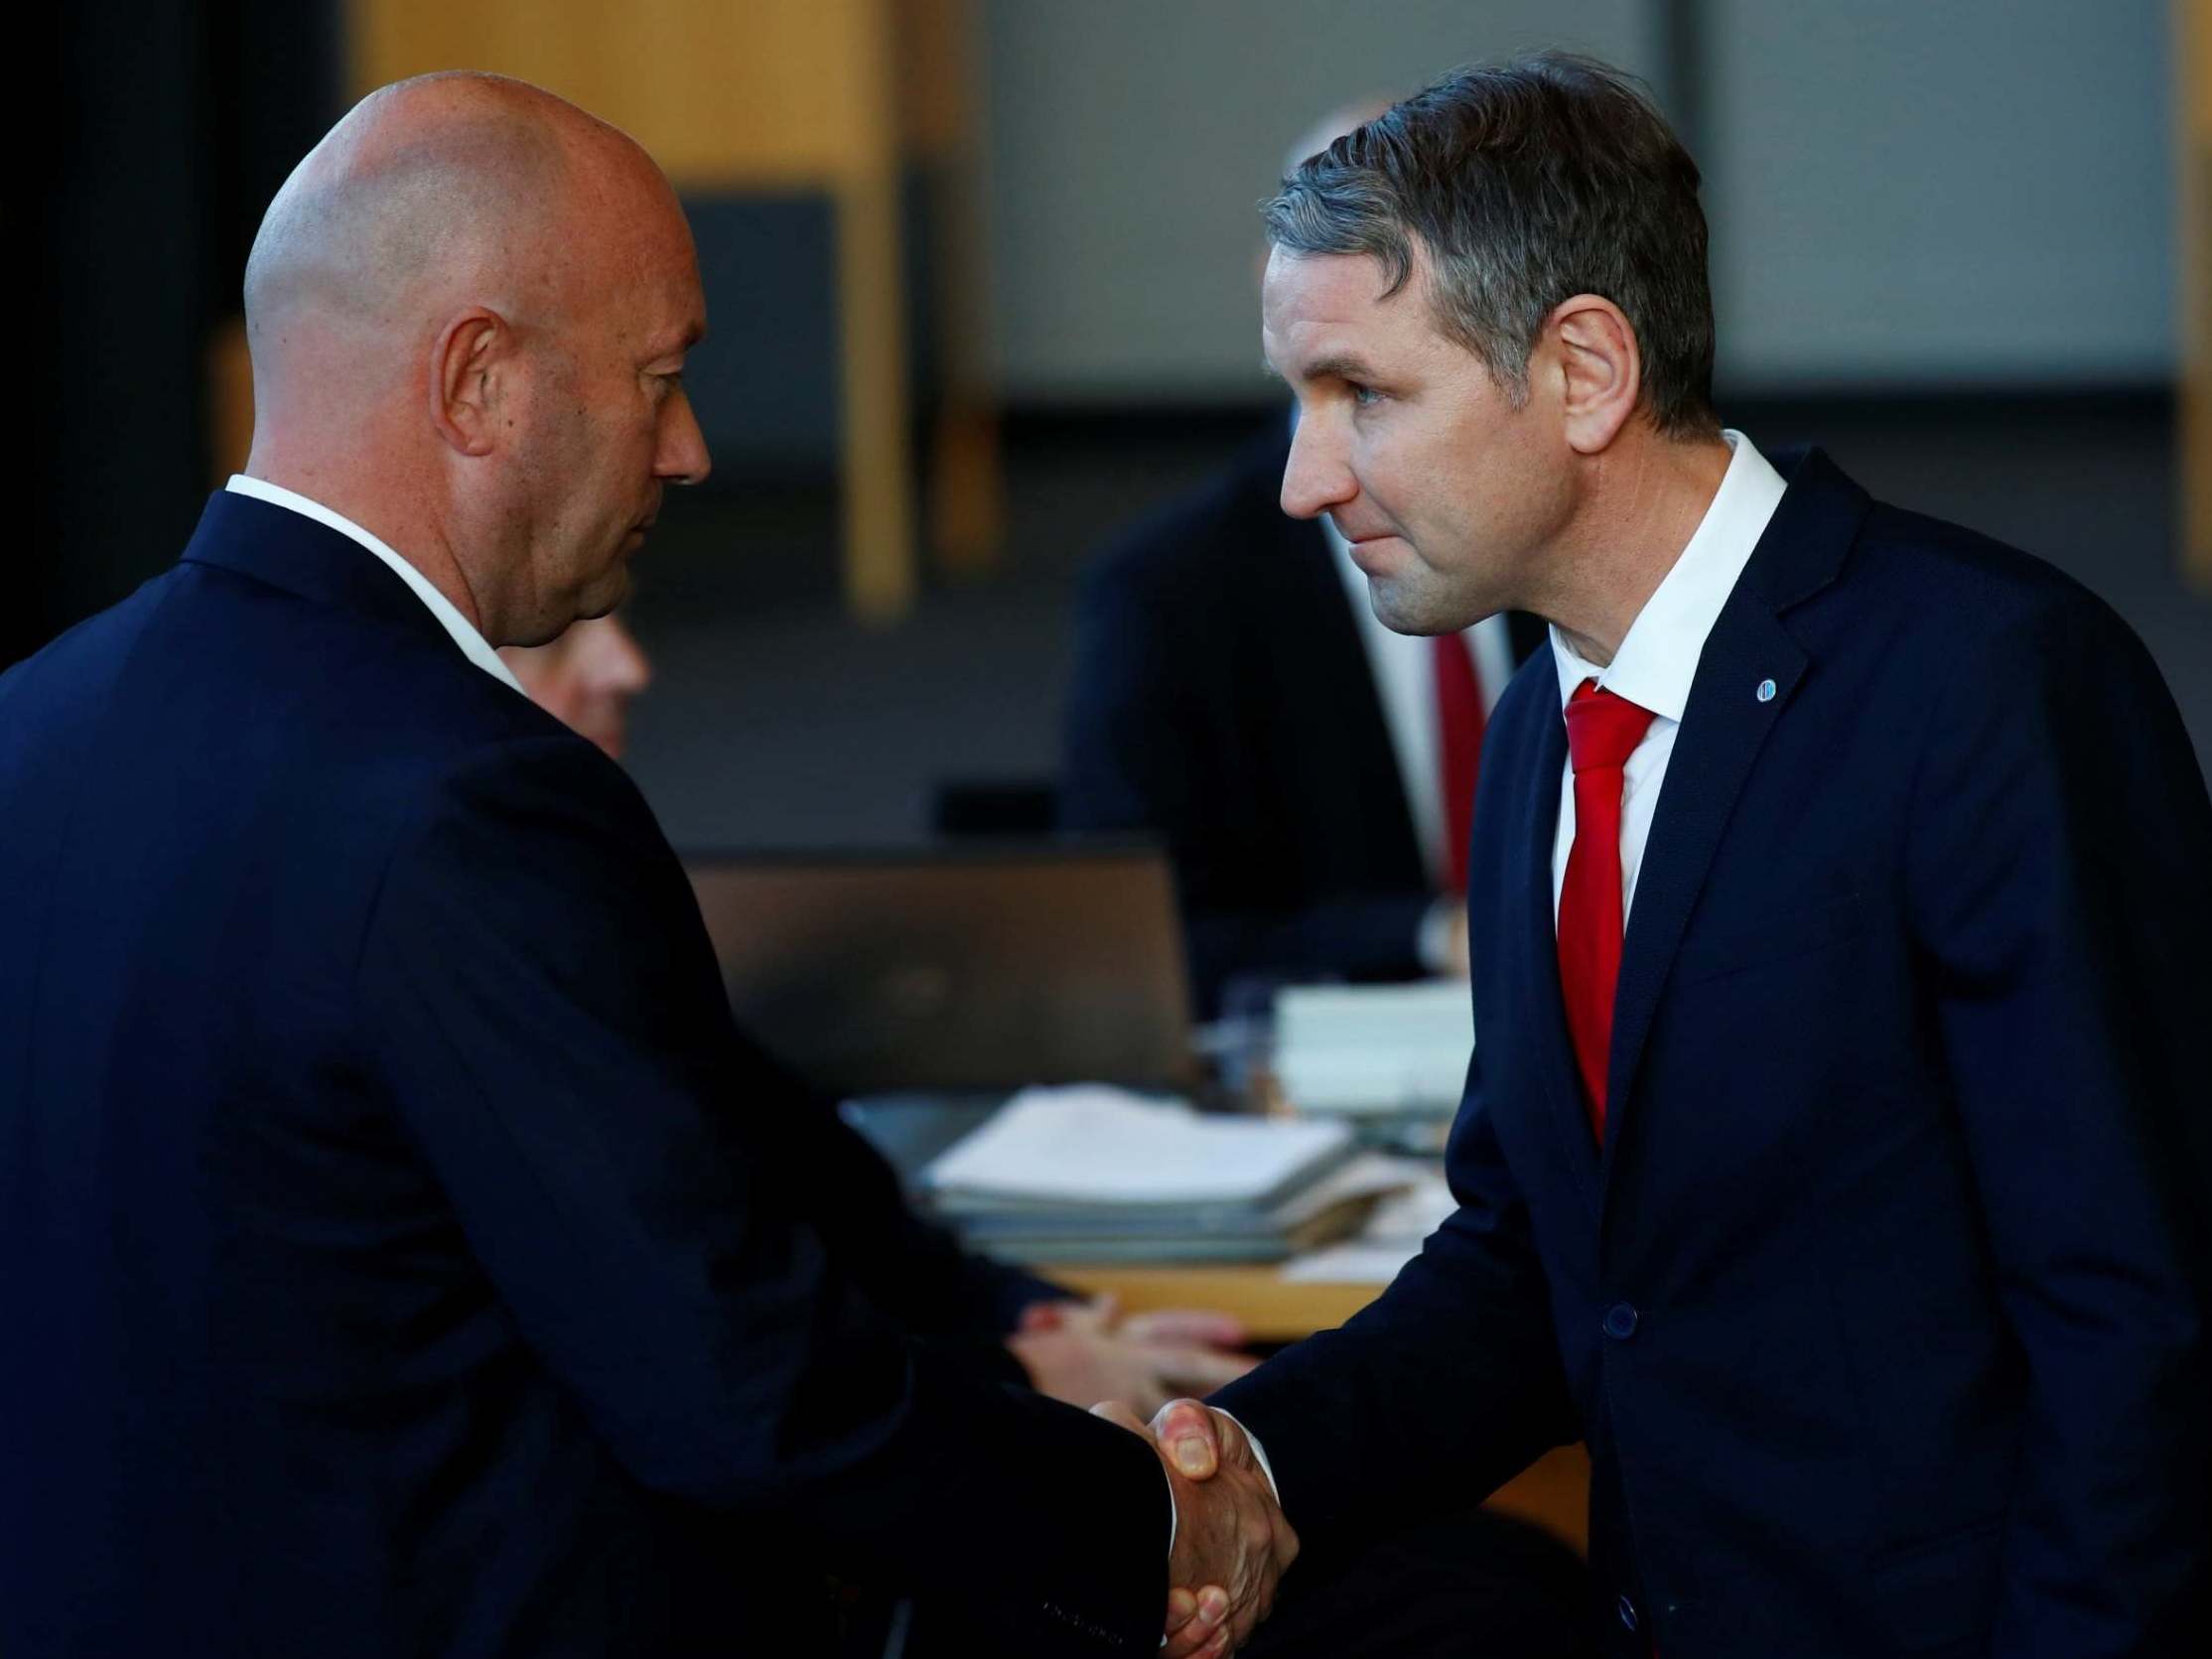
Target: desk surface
<point x="1553" y="1492"/>
<point x="1273" y="1309"/>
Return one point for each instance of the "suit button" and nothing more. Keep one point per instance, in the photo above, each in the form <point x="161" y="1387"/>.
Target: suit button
<point x="1620" y="1322"/>
<point x="1627" y="1614"/>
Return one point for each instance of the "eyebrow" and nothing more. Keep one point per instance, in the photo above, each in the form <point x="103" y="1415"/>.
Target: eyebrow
<point x="1337" y="365"/>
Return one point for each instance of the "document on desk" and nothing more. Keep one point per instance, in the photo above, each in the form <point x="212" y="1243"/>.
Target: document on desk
<point x="1091" y="1145"/>
<point x="1330" y="1206"/>
<point x="1392" y="1237"/>
<point x="1374" y="1048"/>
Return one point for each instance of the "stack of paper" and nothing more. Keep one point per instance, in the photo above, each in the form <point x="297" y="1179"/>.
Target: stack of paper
<point x="1374" y="1048"/>
<point x="1095" y="1174"/>
<point x="1392" y="1236"/>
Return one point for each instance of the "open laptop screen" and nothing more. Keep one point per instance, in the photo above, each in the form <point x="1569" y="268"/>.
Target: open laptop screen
<point x="957" y="970"/>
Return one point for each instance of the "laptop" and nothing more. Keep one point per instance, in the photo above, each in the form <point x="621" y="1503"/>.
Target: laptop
<point x="961" y="971"/>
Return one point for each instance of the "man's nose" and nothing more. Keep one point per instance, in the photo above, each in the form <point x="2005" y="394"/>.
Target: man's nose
<point x="683" y="457"/>
<point x="1317" y="476"/>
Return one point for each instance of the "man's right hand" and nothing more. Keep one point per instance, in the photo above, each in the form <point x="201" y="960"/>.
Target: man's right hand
<point x="1232" y="1543"/>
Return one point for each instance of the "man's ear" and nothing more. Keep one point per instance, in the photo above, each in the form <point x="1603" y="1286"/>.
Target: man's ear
<point x="1600" y="368"/>
<point x="471" y="366"/>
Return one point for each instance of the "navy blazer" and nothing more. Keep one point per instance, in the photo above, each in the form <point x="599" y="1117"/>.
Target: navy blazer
<point x="1222" y="700"/>
<point x="1882" y="1309"/>
<point x="400" y="1250"/>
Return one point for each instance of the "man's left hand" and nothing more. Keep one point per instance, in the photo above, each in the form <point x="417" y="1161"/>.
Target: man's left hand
<point x="1084" y="1352"/>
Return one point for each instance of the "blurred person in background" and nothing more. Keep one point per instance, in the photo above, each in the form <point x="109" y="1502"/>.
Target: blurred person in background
<point x="586" y="678"/>
<point x="1311" y="771"/>
<point x="1414" y="1597"/>
<point x="1077" y="1351"/>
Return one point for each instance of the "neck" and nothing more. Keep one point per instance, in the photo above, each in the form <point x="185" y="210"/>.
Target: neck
<point x="365" y="496"/>
<point x="1646" y="500"/>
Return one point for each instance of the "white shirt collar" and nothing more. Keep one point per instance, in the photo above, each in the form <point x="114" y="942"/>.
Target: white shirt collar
<point x="472" y="645"/>
<point x="1658" y="658"/>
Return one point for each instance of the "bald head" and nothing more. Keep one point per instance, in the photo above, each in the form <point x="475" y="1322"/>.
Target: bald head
<point x="467" y="311"/>
<point x="447" y="189"/>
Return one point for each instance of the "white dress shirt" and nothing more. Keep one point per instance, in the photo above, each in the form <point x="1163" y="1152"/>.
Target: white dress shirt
<point x="1657" y="660"/>
<point x="1658" y="656"/>
<point x="472" y="645"/>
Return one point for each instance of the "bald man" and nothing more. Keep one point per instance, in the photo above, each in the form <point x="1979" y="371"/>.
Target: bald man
<point x="400" y="1251"/>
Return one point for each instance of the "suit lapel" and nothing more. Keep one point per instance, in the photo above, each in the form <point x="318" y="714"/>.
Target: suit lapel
<point x="290" y="551"/>
<point x="1722" y="727"/>
<point x="1728" y="718"/>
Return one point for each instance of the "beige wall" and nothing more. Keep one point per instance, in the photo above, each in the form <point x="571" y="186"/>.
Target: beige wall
<point x="1901" y="191"/>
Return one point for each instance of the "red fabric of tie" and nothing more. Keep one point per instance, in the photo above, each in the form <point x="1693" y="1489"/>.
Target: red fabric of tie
<point x="1460" y="721"/>
<point x="1602" y="730"/>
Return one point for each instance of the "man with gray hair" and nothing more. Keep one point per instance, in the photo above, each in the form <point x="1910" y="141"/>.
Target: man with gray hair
<point x="400" y="1250"/>
<point x="1836" y="1160"/>
<point x="1309" y="771"/>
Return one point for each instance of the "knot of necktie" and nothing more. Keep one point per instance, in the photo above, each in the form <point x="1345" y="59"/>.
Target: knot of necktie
<point x="1603" y="729"/>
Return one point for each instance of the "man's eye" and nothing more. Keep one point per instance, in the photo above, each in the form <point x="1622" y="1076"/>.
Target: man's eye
<point x="1365" y="396"/>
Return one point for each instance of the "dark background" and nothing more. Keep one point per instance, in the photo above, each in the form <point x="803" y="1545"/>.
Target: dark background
<point x="1980" y="327"/>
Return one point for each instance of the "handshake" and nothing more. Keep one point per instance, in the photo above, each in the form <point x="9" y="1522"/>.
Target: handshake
<point x="1231" y="1542"/>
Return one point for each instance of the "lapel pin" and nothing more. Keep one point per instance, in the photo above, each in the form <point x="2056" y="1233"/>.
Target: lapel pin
<point x="1767" y="691"/>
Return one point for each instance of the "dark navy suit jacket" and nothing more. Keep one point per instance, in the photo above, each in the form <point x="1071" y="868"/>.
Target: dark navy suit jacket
<point x="1882" y="1309"/>
<point x="1222" y="699"/>
<point x="400" y="1251"/>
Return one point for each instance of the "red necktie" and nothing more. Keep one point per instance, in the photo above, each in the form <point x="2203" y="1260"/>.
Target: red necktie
<point x="1602" y="730"/>
<point x="1458" y="749"/>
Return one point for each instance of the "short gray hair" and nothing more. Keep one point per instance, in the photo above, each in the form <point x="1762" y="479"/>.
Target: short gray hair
<point x="1526" y="182"/>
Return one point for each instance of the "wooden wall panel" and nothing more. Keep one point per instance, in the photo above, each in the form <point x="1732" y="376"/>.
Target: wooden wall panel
<point x="769" y="94"/>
